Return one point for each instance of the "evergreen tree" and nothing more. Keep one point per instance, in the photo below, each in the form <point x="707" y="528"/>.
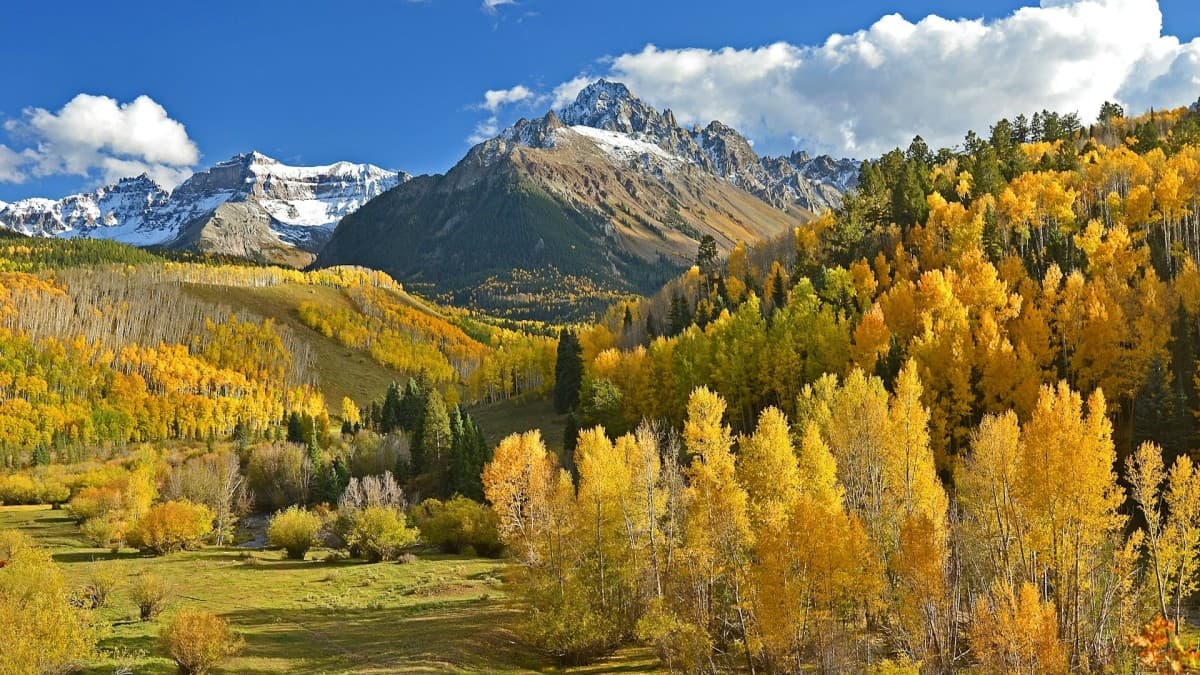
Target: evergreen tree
<point x="570" y="441"/>
<point x="628" y="320"/>
<point x="706" y="256"/>
<point x="41" y="455"/>
<point x="299" y="428"/>
<point x="651" y="326"/>
<point x="779" y="290"/>
<point x="390" y="413"/>
<point x="412" y="407"/>
<point x="431" y="453"/>
<point x="681" y="314"/>
<point x="468" y="454"/>
<point x="1146" y="136"/>
<point x="1110" y="111"/>
<point x="568" y="372"/>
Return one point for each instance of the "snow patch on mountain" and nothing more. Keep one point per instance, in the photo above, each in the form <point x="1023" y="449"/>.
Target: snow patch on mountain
<point x="631" y="131"/>
<point x="304" y="202"/>
<point x="623" y="147"/>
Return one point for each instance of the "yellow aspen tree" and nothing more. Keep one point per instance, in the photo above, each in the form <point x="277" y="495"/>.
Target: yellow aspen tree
<point x="604" y="483"/>
<point x="767" y="470"/>
<point x="520" y="483"/>
<point x="1069" y="490"/>
<point x="1145" y="474"/>
<point x="855" y="432"/>
<point x="350" y="412"/>
<point x="910" y="474"/>
<point x="988" y="489"/>
<point x="1016" y="632"/>
<point x="1181" y="534"/>
<point x="717" y="534"/>
<point x="818" y="470"/>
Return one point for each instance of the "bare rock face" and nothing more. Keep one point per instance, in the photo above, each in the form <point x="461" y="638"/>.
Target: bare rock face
<point x="300" y="205"/>
<point x="718" y="149"/>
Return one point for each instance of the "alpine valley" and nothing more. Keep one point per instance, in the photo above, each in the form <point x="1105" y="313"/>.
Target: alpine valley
<point x="602" y="198"/>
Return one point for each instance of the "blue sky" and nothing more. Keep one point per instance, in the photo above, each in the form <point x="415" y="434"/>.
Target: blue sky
<point x="401" y="84"/>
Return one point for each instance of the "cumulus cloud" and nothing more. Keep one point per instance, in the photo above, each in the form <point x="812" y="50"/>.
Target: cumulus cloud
<point x="493" y="99"/>
<point x="97" y="136"/>
<point x="864" y="93"/>
<point x="567" y="91"/>
<point x="485" y="130"/>
<point x="11" y="163"/>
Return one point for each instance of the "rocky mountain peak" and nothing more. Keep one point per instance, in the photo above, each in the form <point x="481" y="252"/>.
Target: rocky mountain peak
<point x="300" y="204"/>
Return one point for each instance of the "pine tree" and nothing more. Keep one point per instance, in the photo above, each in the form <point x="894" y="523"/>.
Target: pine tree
<point x="390" y="413"/>
<point x="411" y="408"/>
<point x="431" y="453"/>
<point x="779" y="289"/>
<point x="706" y="256"/>
<point x="568" y="372"/>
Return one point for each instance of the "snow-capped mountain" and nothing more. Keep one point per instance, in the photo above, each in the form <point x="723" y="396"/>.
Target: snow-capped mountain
<point x="636" y="131"/>
<point x="299" y="205"/>
<point x="604" y="196"/>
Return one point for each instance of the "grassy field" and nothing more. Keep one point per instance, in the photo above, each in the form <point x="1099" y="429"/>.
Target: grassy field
<point x="440" y="614"/>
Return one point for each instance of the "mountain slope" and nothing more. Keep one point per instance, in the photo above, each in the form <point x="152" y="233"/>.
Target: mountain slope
<point x="250" y="206"/>
<point x="603" y="198"/>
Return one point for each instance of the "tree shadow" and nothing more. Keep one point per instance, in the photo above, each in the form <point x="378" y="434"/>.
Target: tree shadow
<point x="452" y="636"/>
<point x="95" y="556"/>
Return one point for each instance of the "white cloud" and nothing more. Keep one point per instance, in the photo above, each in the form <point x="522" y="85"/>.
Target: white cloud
<point x="567" y="91"/>
<point x="484" y="130"/>
<point x="864" y="93"/>
<point x="11" y="163"/>
<point x="97" y="136"/>
<point x="493" y="99"/>
<point x="490" y="6"/>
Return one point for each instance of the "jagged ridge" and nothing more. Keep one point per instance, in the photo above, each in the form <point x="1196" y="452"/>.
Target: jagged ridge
<point x="289" y="206"/>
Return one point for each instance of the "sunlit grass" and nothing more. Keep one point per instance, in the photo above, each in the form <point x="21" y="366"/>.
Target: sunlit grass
<point x="438" y="614"/>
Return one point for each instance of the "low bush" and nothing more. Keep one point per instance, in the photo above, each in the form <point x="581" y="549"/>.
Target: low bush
<point x="197" y="640"/>
<point x="95" y="502"/>
<point x="99" y="583"/>
<point x="460" y="525"/>
<point x="20" y="488"/>
<point x="295" y="530"/>
<point x="104" y="532"/>
<point x="151" y="593"/>
<point x="171" y="527"/>
<point x="380" y="533"/>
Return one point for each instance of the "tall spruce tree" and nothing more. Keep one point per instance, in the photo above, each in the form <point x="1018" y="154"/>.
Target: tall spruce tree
<point x="390" y="413"/>
<point x="568" y="372"/>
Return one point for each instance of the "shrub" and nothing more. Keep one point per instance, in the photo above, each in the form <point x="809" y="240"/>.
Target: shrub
<point x="18" y="488"/>
<point x="53" y="492"/>
<point x="99" y="583"/>
<point x="197" y="640"/>
<point x="151" y="593"/>
<point x="294" y="530"/>
<point x="104" y="532"/>
<point x="94" y="502"/>
<point x="279" y="475"/>
<point x="458" y="525"/>
<point x="379" y="533"/>
<point x="171" y="527"/>
<point x="41" y="631"/>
